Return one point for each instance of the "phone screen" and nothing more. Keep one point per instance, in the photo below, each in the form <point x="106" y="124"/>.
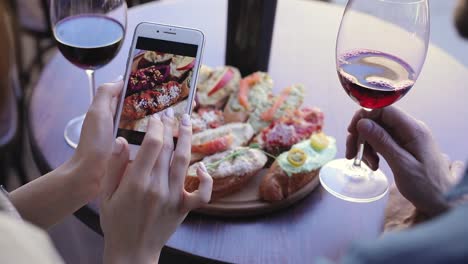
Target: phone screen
<point x="160" y="77"/>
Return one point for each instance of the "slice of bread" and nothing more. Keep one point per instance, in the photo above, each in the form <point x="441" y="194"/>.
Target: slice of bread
<point x="276" y="185"/>
<point x="241" y="135"/>
<point x="258" y="95"/>
<point x="224" y="79"/>
<point x="231" y="172"/>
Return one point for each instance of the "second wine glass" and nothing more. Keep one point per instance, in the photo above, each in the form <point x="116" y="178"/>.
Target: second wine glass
<point x="89" y="34"/>
<point x="381" y="48"/>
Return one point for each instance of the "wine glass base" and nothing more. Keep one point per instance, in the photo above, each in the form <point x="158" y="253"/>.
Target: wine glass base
<point x="73" y="131"/>
<point x="355" y="184"/>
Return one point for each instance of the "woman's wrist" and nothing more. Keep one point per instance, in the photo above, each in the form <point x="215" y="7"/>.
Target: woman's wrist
<point x="85" y="175"/>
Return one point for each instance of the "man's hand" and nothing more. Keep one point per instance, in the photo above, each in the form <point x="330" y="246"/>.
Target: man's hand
<point x="421" y="171"/>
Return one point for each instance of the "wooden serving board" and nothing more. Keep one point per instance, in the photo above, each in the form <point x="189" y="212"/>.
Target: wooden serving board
<point x="246" y="202"/>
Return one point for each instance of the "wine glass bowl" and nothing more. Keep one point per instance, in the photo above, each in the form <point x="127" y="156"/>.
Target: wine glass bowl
<point x="380" y="50"/>
<point x="89" y="34"/>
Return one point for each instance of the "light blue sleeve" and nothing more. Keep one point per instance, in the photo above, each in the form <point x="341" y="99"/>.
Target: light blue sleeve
<point x="442" y="240"/>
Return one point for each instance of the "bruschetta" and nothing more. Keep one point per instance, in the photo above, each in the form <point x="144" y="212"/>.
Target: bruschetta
<point x="254" y="91"/>
<point x="231" y="170"/>
<point x="295" y="168"/>
<point x="290" y="129"/>
<point x="206" y="118"/>
<point x="215" y="85"/>
<point x="289" y="99"/>
<point x="220" y="139"/>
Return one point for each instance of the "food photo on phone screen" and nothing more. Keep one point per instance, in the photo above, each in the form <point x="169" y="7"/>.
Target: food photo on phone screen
<point x="160" y="77"/>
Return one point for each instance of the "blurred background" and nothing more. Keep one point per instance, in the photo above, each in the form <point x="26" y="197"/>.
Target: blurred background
<point x="34" y="47"/>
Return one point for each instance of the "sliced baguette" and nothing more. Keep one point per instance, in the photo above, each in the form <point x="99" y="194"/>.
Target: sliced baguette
<point x="241" y="135"/>
<point x="276" y="185"/>
<point x="217" y="78"/>
<point x="231" y="174"/>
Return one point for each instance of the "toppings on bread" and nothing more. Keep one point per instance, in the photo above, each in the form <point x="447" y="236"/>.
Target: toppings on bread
<point x="319" y="141"/>
<point x="290" y="98"/>
<point x="315" y="159"/>
<point x="293" y="169"/>
<point x="297" y="157"/>
<point x="290" y="129"/>
<point x="231" y="170"/>
<point x="148" y="102"/>
<point x="254" y="91"/>
<point x="206" y="118"/>
<point x="215" y="85"/>
<point x="219" y="139"/>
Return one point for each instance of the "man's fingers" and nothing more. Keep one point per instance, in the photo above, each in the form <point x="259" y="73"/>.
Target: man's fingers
<point x="203" y="194"/>
<point x="181" y="159"/>
<point x="360" y="114"/>
<point x="150" y="148"/>
<point x="370" y="156"/>
<point x="351" y="146"/>
<point x="161" y="168"/>
<point x="116" y="167"/>
<point x="381" y="141"/>
<point x="405" y="129"/>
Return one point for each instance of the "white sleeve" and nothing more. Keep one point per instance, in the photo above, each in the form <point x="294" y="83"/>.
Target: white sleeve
<point x="21" y="242"/>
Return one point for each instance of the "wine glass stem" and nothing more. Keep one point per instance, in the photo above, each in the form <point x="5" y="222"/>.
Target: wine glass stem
<point x="360" y="153"/>
<point x="92" y="86"/>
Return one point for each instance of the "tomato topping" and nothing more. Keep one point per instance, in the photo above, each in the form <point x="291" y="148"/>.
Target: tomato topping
<point x="225" y="79"/>
<point x="269" y="114"/>
<point x="297" y="157"/>
<point x="244" y="86"/>
<point x="214" y="146"/>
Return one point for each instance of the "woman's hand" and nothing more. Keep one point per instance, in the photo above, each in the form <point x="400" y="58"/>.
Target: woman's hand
<point x="421" y="171"/>
<point x="144" y="201"/>
<point x="96" y="139"/>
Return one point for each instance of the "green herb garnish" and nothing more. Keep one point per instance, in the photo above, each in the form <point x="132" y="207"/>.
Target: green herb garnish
<point x="237" y="153"/>
<point x="232" y="155"/>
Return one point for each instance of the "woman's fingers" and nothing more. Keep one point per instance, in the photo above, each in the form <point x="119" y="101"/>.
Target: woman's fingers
<point x="106" y="93"/>
<point x="181" y="159"/>
<point x="203" y="194"/>
<point x="149" y="150"/>
<point x="161" y="168"/>
<point x="116" y="168"/>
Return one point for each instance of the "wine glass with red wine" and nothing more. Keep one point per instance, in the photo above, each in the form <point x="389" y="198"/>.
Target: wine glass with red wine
<point x="89" y="34"/>
<point x="381" y="48"/>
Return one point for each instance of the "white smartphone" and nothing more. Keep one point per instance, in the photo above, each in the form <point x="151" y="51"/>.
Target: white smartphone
<point x="162" y="71"/>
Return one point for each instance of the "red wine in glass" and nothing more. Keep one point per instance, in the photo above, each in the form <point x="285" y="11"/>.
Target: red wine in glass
<point x="374" y="79"/>
<point x="89" y="41"/>
<point x="89" y="34"/>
